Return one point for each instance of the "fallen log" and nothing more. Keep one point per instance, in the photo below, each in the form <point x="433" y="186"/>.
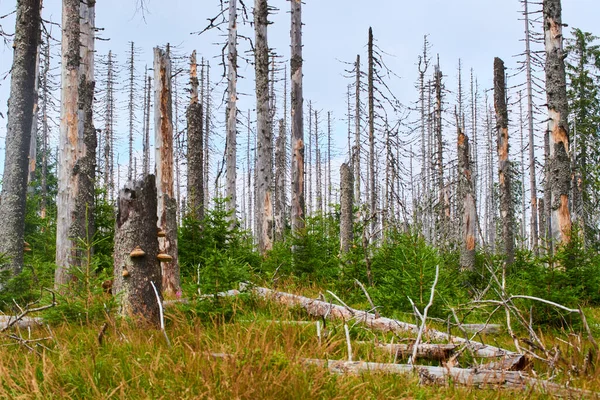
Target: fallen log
<point x="7" y="321"/>
<point x="430" y="351"/>
<point x="332" y="311"/>
<point x="485" y="329"/>
<point x="441" y="375"/>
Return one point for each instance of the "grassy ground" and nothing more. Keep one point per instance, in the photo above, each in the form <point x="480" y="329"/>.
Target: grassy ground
<point x="264" y="360"/>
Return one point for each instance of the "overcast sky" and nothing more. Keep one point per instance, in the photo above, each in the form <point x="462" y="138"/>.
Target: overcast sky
<point x="334" y="30"/>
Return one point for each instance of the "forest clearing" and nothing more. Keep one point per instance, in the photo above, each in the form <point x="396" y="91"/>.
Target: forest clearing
<point x="202" y="223"/>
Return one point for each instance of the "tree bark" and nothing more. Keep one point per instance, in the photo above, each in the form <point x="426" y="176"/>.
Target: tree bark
<point x="166" y="204"/>
<point x="469" y="215"/>
<point x="297" y="173"/>
<point x="18" y="136"/>
<point x="195" y="147"/>
<point x="346" y="208"/>
<point x="558" y="129"/>
<point x="264" y="162"/>
<point x="371" y="94"/>
<point x="136" y="226"/>
<point x="77" y="143"/>
<point x="231" y="112"/>
<point x="504" y="168"/>
<point x="280" y="187"/>
<point x="357" y="140"/>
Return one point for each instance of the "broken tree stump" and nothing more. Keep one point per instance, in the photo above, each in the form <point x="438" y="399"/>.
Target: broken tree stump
<point x="136" y="250"/>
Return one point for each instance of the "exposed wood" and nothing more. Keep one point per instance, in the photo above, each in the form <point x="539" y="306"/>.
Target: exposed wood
<point x="357" y="132"/>
<point x="346" y="209"/>
<point x="371" y="98"/>
<point x="558" y="128"/>
<point x="280" y="181"/>
<point x="136" y="226"/>
<point x="298" y="207"/>
<point x="428" y="351"/>
<point x="465" y="189"/>
<point x="166" y="203"/>
<point x="231" y="113"/>
<point x="195" y="147"/>
<point x="504" y="166"/>
<point x="19" y="127"/>
<point x="264" y="130"/>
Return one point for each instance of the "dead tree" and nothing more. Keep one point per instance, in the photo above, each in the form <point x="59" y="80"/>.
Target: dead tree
<point x="131" y="106"/>
<point x="231" y="111"/>
<point x="207" y="126"/>
<point x="195" y="147"/>
<point x="357" y="128"/>
<point x="18" y="136"/>
<point x="280" y="187"/>
<point x="346" y="210"/>
<point x="264" y="162"/>
<point x="298" y="204"/>
<point x="33" y="142"/>
<point x="77" y="142"/>
<point x="371" y="98"/>
<point x="136" y="253"/>
<point x="465" y="190"/>
<point x="46" y="103"/>
<point x="146" y="146"/>
<point x="504" y="167"/>
<point x="558" y="129"/>
<point x="167" y="203"/>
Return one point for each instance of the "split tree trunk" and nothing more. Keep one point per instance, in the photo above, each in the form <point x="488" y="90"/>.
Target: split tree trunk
<point x="298" y="203"/>
<point x="195" y="147"/>
<point x="18" y="135"/>
<point x="166" y="204"/>
<point x="469" y="217"/>
<point x="231" y="117"/>
<point x="264" y="162"/>
<point x="558" y="129"/>
<point x="346" y="208"/>
<point x="504" y="169"/>
<point x="136" y="226"/>
<point x="77" y="143"/>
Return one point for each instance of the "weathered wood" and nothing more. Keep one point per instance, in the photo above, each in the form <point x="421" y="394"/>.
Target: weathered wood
<point x="136" y="226"/>
<point x="231" y="112"/>
<point x="428" y="351"/>
<point x="485" y="329"/>
<point x="442" y="375"/>
<point x="558" y="129"/>
<point x="346" y="208"/>
<point x="280" y="181"/>
<point x="264" y="130"/>
<point x="298" y="207"/>
<point x="465" y="189"/>
<point x="331" y="311"/>
<point x="167" y="203"/>
<point x="372" y="194"/>
<point x="195" y="146"/>
<point x="77" y="139"/>
<point x="19" y="127"/>
<point x="504" y="168"/>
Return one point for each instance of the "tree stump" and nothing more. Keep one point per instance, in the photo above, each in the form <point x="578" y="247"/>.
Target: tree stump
<point x="136" y="249"/>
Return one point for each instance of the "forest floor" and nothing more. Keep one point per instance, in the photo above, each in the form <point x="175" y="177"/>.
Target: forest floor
<point x="242" y="347"/>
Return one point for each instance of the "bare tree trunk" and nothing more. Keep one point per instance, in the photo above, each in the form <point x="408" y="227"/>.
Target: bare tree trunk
<point x="231" y="123"/>
<point x="166" y="204"/>
<point x="264" y="162"/>
<point x="444" y="205"/>
<point x="136" y="266"/>
<point x="357" y="140"/>
<point x="465" y="190"/>
<point x="207" y="138"/>
<point x="298" y="204"/>
<point x="77" y="143"/>
<point x="45" y="127"/>
<point x="147" y="102"/>
<point x="249" y="186"/>
<point x="109" y="125"/>
<point x="504" y="167"/>
<point x="195" y="147"/>
<point x="131" y="108"/>
<point x="318" y="171"/>
<point x="371" y="94"/>
<point x="18" y="136"/>
<point x="329" y="188"/>
<point x="558" y="129"/>
<point x="532" y="168"/>
<point x="346" y="208"/>
<point x="280" y="193"/>
<point x="34" y="122"/>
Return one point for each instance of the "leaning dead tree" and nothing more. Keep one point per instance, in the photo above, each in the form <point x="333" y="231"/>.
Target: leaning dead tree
<point x="195" y="146"/>
<point x="504" y="167"/>
<point x="136" y="254"/>
<point x="559" y="167"/>
<point x="18" y="136"/>
<point x="167" y="203"/>
<point x="231" y="111"/>
<point x="77" y="141"/>
<point x="264" y="131"/>
<point x="298" y="204"/>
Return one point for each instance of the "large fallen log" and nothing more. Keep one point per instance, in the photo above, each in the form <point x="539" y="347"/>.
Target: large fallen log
<point x="441" y="375"/>
<point x="323" y="309"/>
<point x="430" y="351"/>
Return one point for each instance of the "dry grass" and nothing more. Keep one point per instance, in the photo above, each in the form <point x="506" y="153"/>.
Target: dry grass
<point x="264" y="362"/>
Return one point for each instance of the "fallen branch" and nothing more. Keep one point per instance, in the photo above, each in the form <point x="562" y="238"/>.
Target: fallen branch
<point x="424" y="316"/>
<point x="441" y="375"/>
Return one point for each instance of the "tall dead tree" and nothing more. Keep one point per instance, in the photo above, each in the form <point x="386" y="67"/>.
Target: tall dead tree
<point x="371" y="98"/>
<point x="46" y="104"/>
<point x="558" y="129"/>
<point x="467" y="206"/>
<point x="346" y="208"/>
<point x="231" y="111"/>
<point x="136" y="263"/>
<point x="357" y="128"/>
<point x="264" y="162"/>
<point x="504" y="167"/>
<point x="443" y="203"/>
<point x="167" y="203"/>
<point x="109" y="123"/>
<point x="195" y="146"/>
<point x="18" y="135"/>
<point x="280" y="187"/>
<point x="131" y="106"/>
<point x="146" y="142"/>
<point x="77" y="142"/>
<point x="298" y="204"/>
<point x="207" y="126"/>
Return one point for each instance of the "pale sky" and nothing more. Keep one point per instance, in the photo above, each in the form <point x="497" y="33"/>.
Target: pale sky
<point x="472" y="30"/>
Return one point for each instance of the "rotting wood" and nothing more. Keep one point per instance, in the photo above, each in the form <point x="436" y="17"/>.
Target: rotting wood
<point x="430" y="351"/>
